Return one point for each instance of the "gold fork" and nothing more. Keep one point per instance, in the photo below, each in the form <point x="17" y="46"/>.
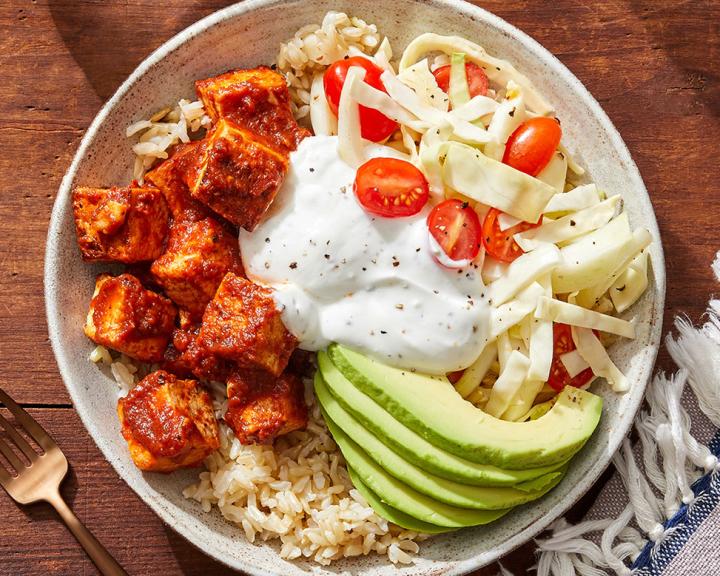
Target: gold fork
<point x="40" y="480"/>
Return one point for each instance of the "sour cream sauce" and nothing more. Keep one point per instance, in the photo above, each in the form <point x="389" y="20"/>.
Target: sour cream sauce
<point x="342" y="275"/>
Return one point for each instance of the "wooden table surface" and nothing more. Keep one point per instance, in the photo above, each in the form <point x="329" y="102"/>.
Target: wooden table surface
<point x="652" y="65"/>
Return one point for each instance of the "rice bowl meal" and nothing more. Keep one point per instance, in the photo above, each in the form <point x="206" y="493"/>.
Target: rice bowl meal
<point x="366" y="292"/>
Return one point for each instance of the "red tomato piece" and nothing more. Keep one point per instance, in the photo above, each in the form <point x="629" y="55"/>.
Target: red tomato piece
<point x="476" y="78"/>
<point x="532" y="145"/>
<point x="391" y="187"/>
<point x="562" y="344"/>
<point x="499" y="243"/>
<point x="374" y="125"/>
<point x="455" y="226"/>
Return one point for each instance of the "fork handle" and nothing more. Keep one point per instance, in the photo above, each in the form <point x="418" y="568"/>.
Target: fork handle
<point x="97" y="552"/>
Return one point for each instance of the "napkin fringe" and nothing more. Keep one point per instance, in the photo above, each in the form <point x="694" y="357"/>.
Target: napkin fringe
<point x="672" y="462"/>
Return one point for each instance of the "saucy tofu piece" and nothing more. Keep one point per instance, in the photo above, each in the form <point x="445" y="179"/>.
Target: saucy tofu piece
<point x="235" y="174"/>
<point x="242" y="324"/>
<point x="168" y="423"/>
<point x="186" y="356"/>
<point x="262" y="406"/>
<point x="257" y="99"/>
<point x="169" y="178"/>
<point x="120" y="224"/>
<point x="128" y="318"/>
<point x="198" y="255"/>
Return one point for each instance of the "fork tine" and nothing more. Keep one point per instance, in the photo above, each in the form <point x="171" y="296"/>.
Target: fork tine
<point x="11" y="457"/>
<point x="20" y="442"/>
<point x="28" y="422"/>
<point x="5" y="477"/>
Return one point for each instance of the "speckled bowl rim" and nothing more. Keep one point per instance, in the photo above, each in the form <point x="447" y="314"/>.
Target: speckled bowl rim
<point x="529" y="44"/>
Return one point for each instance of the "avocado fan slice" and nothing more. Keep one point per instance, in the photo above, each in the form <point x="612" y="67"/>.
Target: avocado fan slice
<point x="401" y="496"/>
<point x="441" y="489"/>
<point x="414" y="447"/>
<point x="431" y="406"/>
<point x="393" y="514"/>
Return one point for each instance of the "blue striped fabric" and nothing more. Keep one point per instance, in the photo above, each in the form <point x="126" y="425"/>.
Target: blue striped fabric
<point x="653" y="560"/>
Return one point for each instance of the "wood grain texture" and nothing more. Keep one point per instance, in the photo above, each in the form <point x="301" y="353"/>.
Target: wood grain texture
<point x="653" y="65"/>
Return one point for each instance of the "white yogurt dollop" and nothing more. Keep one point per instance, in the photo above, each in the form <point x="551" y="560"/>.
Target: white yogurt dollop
<point x="343" y="275"/>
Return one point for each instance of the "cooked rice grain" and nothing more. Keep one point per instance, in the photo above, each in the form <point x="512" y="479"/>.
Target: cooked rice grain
<point x="297" y="491"/>
<point x="314" y="47"/>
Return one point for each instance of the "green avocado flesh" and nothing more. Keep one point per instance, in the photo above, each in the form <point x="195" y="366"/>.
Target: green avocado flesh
<point x="399" y="495"/>
<point x="411" y="445"/>
<point x="431" y="407"/>
<point x="393" y="514"/>
<point x="441" y="489"/>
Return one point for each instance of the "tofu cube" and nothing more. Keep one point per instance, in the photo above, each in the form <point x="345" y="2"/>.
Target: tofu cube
<point x="120" y="224"/>
<point x="185" y="356"/>
<point x="257" y="99"/>
<point x="168" y="423"/>
<point x="262" y="407"/>
<point x="128" y="318"/>
<point x="169" y="178"/>
<point x="235" y="174"/>
<point x="198" y="255"/>
<point x="242" y="324"/>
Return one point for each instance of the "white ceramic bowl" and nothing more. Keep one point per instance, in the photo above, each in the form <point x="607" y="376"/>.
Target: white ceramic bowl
<point x="248" y="34"/>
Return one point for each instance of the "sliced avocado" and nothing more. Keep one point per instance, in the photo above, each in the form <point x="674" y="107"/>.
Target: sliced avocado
<point x="411" y="445"/>
<point x="431" y="406"/>
<point x="441" y="489"/>
<point x="401" y="496"/>
<point x="393" y="514"/>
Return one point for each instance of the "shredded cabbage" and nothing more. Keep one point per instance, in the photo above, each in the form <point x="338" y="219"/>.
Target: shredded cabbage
<point x="507" y="315"/>
<point x="384" y="54"/>
<point x="574" y="363"/>
<point x="573" y="200"/>
<point x="497" y="70"/>
<point x="558" y="311"/>
<point x="555" y="173"/>
<point x="324" y="122"/>
<point x="370" y="97"/>
<point x="574" y="166"/>
<point x="421" y="80"/>
<point x="509" y="115"/>
<point x="508" y="383"/>
<point x="594" y="353"/>
<point x="592" y="258"/>
<point x="539" y="410"/>
<point x="495" y="184"/>
<point x="458" y="89"/>
<point x="523" y="400"/>
<point x="493" y="269"/>
<point x="474" y="374"/>
<point x="350" y="143"/>
<point x="475" y="109"/>
<point x="639" y="241"/>
<point x="631" y="284"/>
<point x="569" y="227"/>
<point x="506" y="221"/>
<point x="409" y="99"/>
<point x="524" y="271"/>
<point x="541" y="342"/>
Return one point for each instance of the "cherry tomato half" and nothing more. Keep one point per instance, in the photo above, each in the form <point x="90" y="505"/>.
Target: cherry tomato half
<point x="476" y="78"/>
<point x="499" y="243"/>
<point x="373" y="125"/>
<point x="455" y="376"/>
<point x="391" y="187"/>
<point x="532" y="145"/>
<point x="455" y="226"/>
<point x="562" y="344"/>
